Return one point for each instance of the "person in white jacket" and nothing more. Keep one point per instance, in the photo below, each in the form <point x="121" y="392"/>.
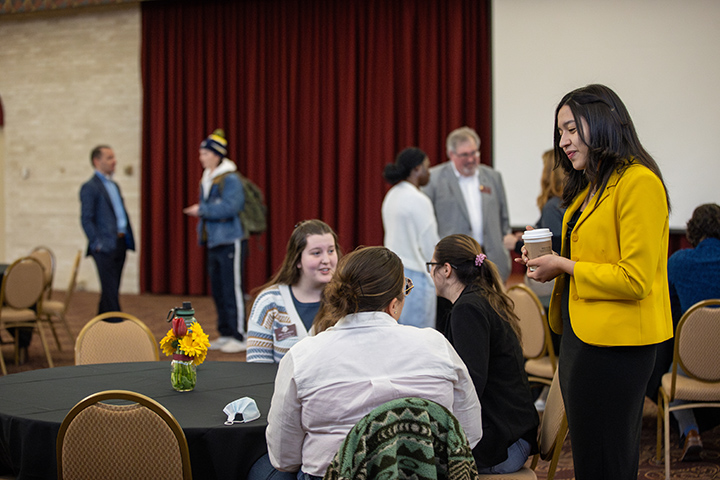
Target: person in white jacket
<point x="360" y="359"/>
<point x="411" y="231"/>
<point x="284" y="310"/>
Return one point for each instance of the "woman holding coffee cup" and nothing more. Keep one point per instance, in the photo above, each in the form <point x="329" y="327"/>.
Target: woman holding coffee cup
<point x="611" y="299"/>
<point x="484" y="331"/>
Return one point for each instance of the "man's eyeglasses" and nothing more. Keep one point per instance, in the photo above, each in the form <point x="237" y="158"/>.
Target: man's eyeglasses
<point x="408" y="286"/>
<point x="469" y="155"/>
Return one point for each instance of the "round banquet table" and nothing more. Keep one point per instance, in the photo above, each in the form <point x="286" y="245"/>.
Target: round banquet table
<point x="34" y="403"/>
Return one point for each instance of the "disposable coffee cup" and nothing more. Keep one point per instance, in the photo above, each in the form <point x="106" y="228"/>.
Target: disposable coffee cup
<point x="538" y="242"/>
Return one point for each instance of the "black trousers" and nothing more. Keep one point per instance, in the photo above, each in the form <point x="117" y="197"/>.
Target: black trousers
<point x="110" y="266"/>
<point x="604" y="390"/>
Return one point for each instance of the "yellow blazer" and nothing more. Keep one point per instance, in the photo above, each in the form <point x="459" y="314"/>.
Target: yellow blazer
<point x="619" y="288"/>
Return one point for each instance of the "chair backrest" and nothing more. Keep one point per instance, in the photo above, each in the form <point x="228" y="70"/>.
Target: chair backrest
<point x="533" y="323"/>
<point x="405" y="438"/>
<point x="129" y="340"/>
<point x="23" y="283"/>
<point x="553" y="427"/>
<point x="697" y="342"/>
<point x="46" y="258"/>
<point x="73" y="281"/>
<point x="117" y="441"/>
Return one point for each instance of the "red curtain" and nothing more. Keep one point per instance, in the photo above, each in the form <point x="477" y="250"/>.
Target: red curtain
<point x="315" y="97"/>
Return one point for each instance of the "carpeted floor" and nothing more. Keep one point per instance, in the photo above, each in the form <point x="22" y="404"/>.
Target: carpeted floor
<point x="153" y="309"/>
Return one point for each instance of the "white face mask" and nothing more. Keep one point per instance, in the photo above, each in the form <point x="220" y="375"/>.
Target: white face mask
<point x="245" y="406"/>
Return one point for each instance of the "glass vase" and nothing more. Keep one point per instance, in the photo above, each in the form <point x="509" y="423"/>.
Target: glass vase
<point x="183" y="375"/>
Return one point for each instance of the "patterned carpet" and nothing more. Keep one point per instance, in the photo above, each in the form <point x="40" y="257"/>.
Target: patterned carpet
<point x="153" y="309"/>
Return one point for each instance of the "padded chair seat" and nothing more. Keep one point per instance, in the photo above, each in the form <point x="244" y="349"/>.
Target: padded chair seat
<point x="53" y="307"/>
<point x="540" y="367"/>
<point x="524" y="473"/>
<point x="690" y="389"/>
<point x="11" y="315"/>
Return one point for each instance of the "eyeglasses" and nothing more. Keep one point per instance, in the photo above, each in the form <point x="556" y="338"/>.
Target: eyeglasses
<point x="429" y="265"/>
<point x="469" y="155"/>
<point x="408" y="286"/>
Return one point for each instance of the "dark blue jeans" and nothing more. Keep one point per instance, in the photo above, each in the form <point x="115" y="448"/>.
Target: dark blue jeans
<point x="223" y="263"/>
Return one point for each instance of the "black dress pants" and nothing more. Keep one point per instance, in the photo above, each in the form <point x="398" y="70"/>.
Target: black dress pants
<point x="110" y="266"/>
<point x="604" y="391"/>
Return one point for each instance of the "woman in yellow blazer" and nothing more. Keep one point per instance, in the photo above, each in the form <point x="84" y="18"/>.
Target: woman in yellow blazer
<point x="611" y="299"/>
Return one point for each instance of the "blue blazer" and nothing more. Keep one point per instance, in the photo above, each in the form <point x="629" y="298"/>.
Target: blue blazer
<point x="98" y="218"/>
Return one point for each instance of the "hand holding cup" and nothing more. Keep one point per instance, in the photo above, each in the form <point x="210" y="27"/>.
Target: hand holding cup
<point x="538" y="242"/>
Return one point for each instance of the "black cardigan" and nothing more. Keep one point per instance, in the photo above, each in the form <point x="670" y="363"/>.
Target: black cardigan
<point x="493" y="355"/>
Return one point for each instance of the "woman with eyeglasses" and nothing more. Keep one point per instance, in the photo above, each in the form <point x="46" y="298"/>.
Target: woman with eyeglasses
<point x="284" y="310"/>
<point x="485" y="332"/>
<point x="326" y="383"/>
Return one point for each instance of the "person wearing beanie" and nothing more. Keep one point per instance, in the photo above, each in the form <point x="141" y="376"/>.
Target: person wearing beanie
<point x="411" y="231"/>
<point x="219" y="229"/>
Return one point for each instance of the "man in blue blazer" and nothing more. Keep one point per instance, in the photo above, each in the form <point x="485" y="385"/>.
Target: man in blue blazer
<point x="469" y="198"/>
<point x="107" y="226"/>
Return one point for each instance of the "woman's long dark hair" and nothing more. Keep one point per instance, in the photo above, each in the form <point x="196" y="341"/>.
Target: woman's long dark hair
<point x="365" y="280"/>
<point x="460" y="251"/>
<point x="613" y="144"/>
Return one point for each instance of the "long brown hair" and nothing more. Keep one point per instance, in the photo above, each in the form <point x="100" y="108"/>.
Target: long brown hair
<point x="365" y="280"/>
<point x="551" y="181"/>
<point x="460" y="251"/>
<point x="288" y="273"/>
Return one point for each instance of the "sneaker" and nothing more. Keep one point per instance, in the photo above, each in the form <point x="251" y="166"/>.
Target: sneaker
<point x="219" y="342"/>
<point x="234" y="346"/>
<point x="692" y="448"/>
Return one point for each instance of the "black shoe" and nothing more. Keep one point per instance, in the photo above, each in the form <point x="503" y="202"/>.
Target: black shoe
<point x="692" y="448"/>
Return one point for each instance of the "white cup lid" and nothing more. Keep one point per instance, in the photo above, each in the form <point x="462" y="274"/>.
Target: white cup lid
<point x="537" y="234"/>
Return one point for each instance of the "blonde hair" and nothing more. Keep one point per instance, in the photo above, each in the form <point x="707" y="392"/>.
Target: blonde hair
<point x="551" y="181"/>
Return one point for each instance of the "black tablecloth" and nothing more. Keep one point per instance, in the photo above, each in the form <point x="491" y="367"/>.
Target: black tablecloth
<point x="34" y="403"/>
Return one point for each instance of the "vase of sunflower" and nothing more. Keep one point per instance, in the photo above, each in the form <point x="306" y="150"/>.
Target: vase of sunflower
<point x="187" y="344"/>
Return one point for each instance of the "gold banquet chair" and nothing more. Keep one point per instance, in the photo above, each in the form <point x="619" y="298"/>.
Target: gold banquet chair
<point x="538" y="350"/>
<point x="553" y="430"/>
<point x="55" y="310"/>
<point x="47" y="259"/>
<point x="697" y="353"/>
<point x="118" y="441"/>
<point x="114" y="342"/>
<point x="22" y="289"/>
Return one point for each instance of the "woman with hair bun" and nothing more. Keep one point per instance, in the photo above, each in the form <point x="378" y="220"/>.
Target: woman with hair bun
<point x="326" y="383"/>
<point x="485" y="332"/>
<point x="284" y="310"/>
<point x="411" y="230"/>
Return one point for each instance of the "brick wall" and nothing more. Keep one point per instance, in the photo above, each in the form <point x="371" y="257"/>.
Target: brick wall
<point x="68" y="81"/>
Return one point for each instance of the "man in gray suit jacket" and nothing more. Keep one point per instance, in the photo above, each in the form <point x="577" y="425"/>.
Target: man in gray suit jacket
<point x="469" y="198"/>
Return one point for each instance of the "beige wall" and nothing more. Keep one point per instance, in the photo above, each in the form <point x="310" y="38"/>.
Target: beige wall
<point x="68" y="82"/>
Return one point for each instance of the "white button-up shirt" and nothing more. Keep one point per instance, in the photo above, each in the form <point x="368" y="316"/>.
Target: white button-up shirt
<point x="325" y="384"/>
